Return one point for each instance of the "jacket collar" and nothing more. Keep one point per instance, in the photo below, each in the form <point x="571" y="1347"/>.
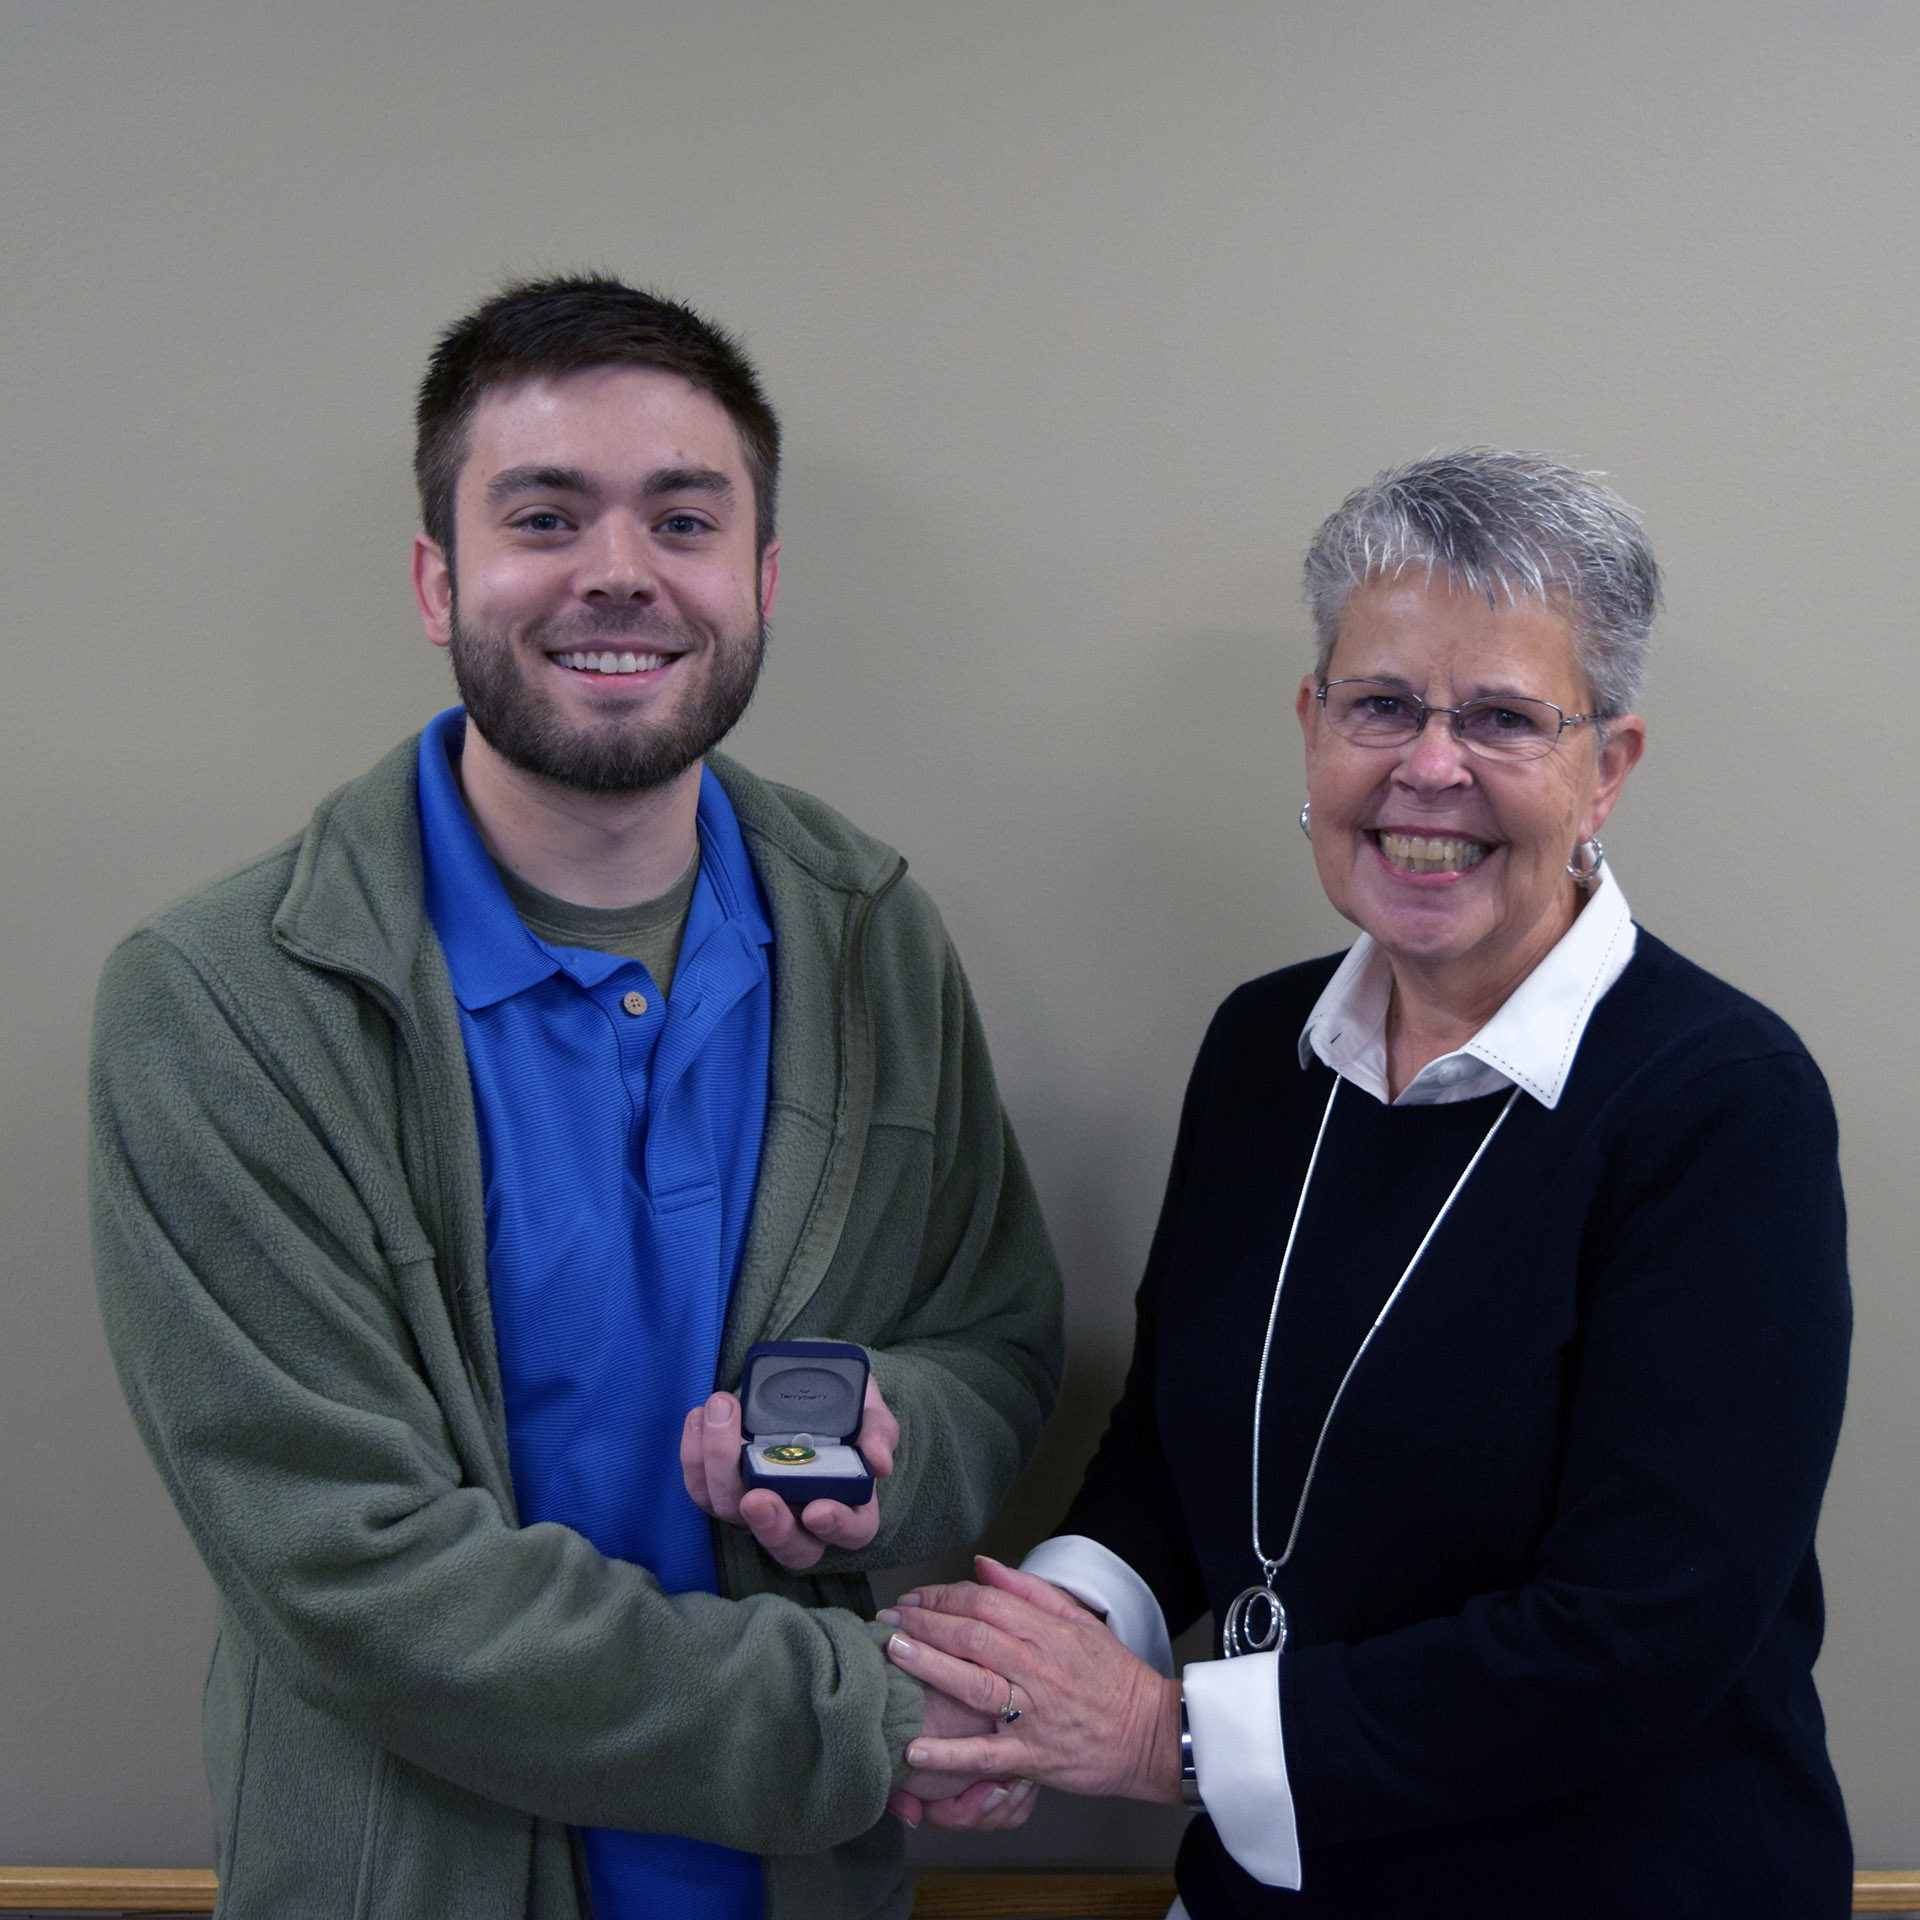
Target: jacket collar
<point x="356" y="902"/>
<point x="825" y="846"/>
<point x="357" y="899"/>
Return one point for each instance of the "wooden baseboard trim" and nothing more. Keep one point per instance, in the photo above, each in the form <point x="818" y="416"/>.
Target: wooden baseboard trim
<point x="105" y="1890"/>
<point x="939" y="1896"/>
<point x="1041" y="1896"/>
<point x="1889" y="1891"/>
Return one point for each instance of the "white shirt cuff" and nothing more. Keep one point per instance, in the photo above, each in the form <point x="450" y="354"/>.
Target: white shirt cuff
<point x="1100" y="1579"/>
<point x="1233" y="1712"/>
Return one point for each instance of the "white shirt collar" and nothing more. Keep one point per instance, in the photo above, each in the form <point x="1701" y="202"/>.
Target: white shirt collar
<point x="1530" y="1042"/>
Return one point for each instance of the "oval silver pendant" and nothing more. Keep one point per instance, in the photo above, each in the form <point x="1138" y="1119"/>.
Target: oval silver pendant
<point x="1256" y="1623"/>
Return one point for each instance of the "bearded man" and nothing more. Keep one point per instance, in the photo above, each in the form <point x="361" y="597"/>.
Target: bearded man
<point x="449" y="1159"/>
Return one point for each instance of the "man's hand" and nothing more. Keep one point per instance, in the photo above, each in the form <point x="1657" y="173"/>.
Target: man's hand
<point x="710" y="1465"/>
<point x="971" y="1804"/>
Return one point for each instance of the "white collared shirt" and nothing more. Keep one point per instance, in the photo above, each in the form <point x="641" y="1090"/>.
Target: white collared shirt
<point x="1530" y="1042"/>
<point x="1233" y="1706"/>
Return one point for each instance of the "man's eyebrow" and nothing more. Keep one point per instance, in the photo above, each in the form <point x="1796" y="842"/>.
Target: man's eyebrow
<point x="513" y="481"/>
<point x="688" y="480"/>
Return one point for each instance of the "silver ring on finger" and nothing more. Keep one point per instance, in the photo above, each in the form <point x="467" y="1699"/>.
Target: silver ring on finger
<point x="1009" y="1713"/>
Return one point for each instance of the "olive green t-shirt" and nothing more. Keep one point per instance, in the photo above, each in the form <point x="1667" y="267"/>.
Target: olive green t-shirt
<point x="648" y="932"/>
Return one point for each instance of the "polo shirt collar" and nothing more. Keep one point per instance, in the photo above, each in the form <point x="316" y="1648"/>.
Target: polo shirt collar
<point x="490" y="953"/>
<point x="1531" y="1040"/>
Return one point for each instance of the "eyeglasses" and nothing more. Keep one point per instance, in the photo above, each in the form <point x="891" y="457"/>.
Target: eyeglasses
<point x="1372" y="713"/>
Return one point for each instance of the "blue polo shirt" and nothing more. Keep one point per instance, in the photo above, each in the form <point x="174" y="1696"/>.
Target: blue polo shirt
<point x="620" y="1134"/>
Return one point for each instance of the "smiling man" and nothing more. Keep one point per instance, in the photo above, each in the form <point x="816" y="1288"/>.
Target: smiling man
<point x="449" y="1159"/>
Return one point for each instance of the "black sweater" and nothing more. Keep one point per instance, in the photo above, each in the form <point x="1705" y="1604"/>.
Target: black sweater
<point x="1554" y="1607"/>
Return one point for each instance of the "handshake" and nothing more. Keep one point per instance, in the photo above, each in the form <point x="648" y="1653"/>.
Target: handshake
<point x="1025" y="1688"/>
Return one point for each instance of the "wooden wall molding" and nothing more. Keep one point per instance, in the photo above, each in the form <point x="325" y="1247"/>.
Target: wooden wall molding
<point x="939" y="1896"/>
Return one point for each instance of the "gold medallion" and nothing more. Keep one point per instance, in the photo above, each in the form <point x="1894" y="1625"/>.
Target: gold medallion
<point x="787" y="1456"/>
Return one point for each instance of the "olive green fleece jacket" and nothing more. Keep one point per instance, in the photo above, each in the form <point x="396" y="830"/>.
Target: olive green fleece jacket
<point x="411" y="1695"/>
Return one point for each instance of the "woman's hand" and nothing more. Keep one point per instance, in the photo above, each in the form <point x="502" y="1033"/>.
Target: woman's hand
<point x="1093" y="1719"/>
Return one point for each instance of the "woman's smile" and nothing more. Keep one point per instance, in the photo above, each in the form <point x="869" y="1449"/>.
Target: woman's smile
<point x="1424" y="853"/>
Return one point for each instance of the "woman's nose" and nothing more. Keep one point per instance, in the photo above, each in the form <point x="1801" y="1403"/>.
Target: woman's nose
<point x="1436" y="756"/>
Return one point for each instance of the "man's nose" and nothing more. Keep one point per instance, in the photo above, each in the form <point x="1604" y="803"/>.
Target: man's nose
<point x="617" y="562"/>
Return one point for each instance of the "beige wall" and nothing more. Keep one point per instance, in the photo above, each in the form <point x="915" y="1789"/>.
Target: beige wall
<point x="1081" y="314"/>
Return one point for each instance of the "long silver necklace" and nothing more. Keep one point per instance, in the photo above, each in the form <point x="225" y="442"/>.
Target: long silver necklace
<point x="1257" y="1620"/>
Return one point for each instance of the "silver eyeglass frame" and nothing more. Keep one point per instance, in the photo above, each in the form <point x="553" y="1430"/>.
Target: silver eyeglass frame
<point x="1454" y="714"/>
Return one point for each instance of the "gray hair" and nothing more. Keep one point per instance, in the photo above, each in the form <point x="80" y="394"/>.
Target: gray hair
<point x="1501" y="523"/>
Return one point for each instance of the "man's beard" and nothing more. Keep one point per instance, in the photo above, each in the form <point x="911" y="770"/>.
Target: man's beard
<point x="614" y="756"/>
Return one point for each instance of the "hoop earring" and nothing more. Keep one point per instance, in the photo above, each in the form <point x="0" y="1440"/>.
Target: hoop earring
<point x="1585" y="864"/>
<point x="1306" y="817"/>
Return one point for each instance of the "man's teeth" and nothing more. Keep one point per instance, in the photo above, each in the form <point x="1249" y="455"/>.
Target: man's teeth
<point x="612" y="662"/>
<point x="1420" y="854"/>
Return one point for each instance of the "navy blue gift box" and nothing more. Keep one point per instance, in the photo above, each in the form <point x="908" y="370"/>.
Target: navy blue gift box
<point x="811" y="1394"/>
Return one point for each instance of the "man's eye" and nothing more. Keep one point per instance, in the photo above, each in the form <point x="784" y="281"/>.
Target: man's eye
<point x="1382" y="706"/>
<point x="540" y="523"/>
<point x="683" y="526"/>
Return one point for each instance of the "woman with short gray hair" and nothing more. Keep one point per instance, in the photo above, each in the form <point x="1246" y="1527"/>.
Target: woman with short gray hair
<point x="1492" y="1345"/>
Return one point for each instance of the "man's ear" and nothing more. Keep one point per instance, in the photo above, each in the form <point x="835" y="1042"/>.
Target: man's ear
<point x="433" y="589"/>
<point x="769" y="577"/>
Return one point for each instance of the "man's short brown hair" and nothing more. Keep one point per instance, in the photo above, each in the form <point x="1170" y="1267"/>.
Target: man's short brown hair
<point x="536" y="329"/>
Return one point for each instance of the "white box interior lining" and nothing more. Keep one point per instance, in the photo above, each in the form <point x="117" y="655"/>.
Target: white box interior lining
<point x="831" y="1460"/>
